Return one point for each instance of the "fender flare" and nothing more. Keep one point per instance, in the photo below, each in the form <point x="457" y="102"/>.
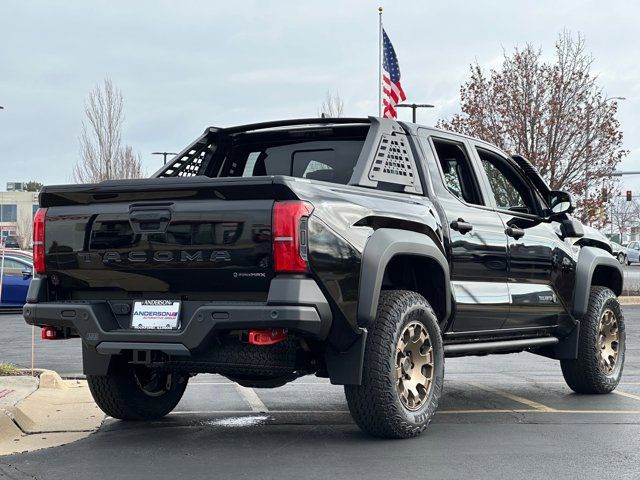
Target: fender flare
<point x="382" y="246"/>
<point x="588" y="260"/>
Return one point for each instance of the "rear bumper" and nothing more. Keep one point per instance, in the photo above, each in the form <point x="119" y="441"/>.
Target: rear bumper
<point x="293" y="303"/>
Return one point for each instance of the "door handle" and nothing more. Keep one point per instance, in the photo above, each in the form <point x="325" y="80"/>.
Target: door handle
<point x="461" y="226"/>
<point x="514" y="232"/>
<point x="148" y="220"/>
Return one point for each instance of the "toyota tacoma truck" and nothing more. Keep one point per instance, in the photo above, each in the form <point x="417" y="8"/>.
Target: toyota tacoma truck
<point x="363" y="250"/>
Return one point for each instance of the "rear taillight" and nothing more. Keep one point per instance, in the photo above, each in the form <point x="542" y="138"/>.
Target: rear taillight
<point x="290" y="236"/>
<point x="38" y="240"/>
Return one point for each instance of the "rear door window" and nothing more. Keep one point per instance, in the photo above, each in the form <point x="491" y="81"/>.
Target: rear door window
<point x="457" y="173"/>
<point x="13" y="267"/>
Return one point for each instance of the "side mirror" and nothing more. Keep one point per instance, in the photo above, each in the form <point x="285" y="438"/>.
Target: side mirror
<point x="27" y="273"/>
<point x="560" y="202"/>
<point x="571" y="228"/>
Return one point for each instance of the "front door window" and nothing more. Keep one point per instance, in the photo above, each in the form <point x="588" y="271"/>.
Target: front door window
<point x="509" y="190"/>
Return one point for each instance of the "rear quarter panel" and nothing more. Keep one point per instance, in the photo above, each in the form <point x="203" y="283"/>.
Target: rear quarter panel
<point x="343" y="219"/>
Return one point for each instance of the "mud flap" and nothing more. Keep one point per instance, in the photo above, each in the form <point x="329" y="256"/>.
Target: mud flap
<point x="94" y="363"/>
<point x="345" y="368"/>
<point x="566" y="349"/>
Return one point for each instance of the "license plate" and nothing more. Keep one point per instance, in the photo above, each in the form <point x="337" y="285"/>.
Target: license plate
<point x="155" y="315"/>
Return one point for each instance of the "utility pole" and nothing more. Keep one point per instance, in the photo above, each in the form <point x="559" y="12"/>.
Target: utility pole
<point x="414" y="107"/>
<point x="379" y="61"/>
<point x="164" y="154"/>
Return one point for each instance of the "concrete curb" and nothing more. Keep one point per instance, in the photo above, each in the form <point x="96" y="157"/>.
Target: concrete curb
<point x="629" y="300"/>
<point x="51" y="379"/>
<point x="58" y="412"/>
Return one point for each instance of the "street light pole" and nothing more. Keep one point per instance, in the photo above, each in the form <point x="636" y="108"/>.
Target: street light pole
<point x="164" y="154"/>
<point x="414" y="107"/>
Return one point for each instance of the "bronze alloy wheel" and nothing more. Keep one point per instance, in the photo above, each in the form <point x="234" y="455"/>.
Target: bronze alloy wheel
<point x="414" y="366"/>
<point x="608" y="342"/>
<point x="153" y="383"/>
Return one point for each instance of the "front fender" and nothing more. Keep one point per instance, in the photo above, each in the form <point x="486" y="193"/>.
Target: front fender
<point x="382" y="246"/>
<point x="589" y="259"/>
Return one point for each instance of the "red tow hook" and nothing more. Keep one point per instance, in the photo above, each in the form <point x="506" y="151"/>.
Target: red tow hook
<point x="48" y="333"/>
<point x="267" y="336"/>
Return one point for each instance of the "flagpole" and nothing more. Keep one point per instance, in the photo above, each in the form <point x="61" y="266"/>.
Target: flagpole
<point x="380" y="62"/>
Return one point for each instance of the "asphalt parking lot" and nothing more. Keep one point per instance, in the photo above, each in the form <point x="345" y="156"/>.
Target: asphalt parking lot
<point x="505" y="416"/>
<point x="632" y="278"/>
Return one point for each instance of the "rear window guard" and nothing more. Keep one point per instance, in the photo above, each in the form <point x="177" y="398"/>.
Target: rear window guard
<point x="385" y="159"/>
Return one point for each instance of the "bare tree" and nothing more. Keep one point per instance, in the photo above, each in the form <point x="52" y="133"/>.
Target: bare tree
<point x="24" y="230"/>
<point x="130" y="163"/>
<point x="332" y="106"/>
<point x="623" y="215"/>
<point x="102" y="155"/>
<point x="553" y="113"/>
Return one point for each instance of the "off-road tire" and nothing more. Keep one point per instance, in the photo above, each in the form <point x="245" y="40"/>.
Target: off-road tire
<point x="375" y="405"/>
<point x="121" y="396"/>
<point x="583" y="374"/>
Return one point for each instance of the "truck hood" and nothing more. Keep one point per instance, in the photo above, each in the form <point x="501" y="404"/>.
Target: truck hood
<point x="593" y="238"/>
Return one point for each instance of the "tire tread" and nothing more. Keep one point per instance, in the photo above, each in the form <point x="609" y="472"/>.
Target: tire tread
<point x="373" y="404"/>
<point x="119" y="396"/>
<point x="583" y="375"/>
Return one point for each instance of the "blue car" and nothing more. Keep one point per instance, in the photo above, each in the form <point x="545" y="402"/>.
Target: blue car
<point x="16" y="277"/>
<point x="633" y="253"/>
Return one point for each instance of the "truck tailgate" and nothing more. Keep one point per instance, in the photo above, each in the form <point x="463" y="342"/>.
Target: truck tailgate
<point x="201" y="239"/>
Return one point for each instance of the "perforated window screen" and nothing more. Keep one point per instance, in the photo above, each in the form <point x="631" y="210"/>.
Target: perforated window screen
<point x="187" y="165"/>
<point x="393" y="162"/>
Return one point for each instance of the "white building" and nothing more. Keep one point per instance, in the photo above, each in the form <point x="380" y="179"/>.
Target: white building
<point x="16" y="215"/>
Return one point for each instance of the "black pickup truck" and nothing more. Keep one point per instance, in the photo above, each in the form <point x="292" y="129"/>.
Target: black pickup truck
<point x="364" y="250"/>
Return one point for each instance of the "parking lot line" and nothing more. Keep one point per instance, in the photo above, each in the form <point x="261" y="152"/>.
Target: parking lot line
<point x="289" y="385"/>
<point x="251" y="397"/>
<point x="515" y="398"/>
<point x="542" y="382"/>
<point x="626" y="394"/>
<point x="439" y="412"/>
<point x="595" y="412"/>
<point x="5" y="392"/>
<point x="322" y="383"/>
<point x="244" y="412"/>
<point x="489" y="410"/>
<point x="230" y="384"/>
<point x="537" y="410"/>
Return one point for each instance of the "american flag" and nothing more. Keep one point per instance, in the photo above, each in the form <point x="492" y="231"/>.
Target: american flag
<point x="392" y="92"/>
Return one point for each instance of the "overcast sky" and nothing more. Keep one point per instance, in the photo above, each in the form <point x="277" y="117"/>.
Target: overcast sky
<point x="185" y="65"/>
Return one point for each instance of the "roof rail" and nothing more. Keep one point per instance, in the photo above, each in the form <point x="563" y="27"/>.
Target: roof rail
<point x="288" y="123"/>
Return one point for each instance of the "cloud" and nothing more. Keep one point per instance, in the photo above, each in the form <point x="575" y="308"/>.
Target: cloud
<point x="185" y="65"/>
<point x="284" y="76"/>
